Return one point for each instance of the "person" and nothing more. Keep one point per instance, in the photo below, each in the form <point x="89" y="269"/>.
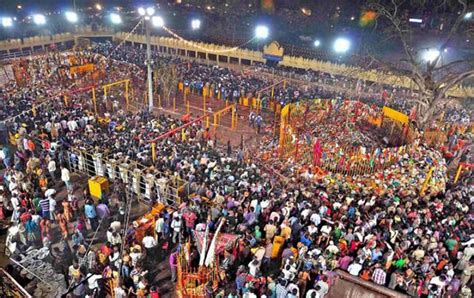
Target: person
<point x="259" y="122"/>
<point x="66" y="178"/>
<point x="173" y="261"/>
<point x="150" y="244"/>
<point x="176" y="226"/>
<point x="103" y="211"/>
<point x="52" y="170"/>
<point x="119" y="291"/>
<point x="91" y="215"/>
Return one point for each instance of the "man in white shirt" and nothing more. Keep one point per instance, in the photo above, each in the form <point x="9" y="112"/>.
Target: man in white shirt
<point x="92" y="281"/>
<point x="52" y="169"/>
<point x="72" y="125"/>
<point x="354" y="268"/>
<point x="120" y="292"/>
<point x="150" y="244"/>
<point x="254" y="266"/>
<point x="322" y="287"/>
<point x="65" y="177"/>
<point x="159" y="227"/>
<point x="52" y="207"/>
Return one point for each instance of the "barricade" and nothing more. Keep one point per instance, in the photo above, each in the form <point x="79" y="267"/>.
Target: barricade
<point x="141" y="183"/>
<point x="295" y="141"/>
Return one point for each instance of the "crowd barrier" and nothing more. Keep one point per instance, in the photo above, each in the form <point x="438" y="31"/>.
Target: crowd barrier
<point x="298" y="144"/>
<point x="142" y="182"/>
<point x="256" y="103"/>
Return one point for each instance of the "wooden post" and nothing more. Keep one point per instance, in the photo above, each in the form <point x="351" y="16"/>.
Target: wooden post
<point x="187" y="107"/>
<point x="185" y="93"/>
<point x="273" y="92"/>
<point x="232" y="125"/>
<point x="65" y="100"/>
<point x="153" y="151"/>
<point x="204" y="103"/>
<point x="33" y="109"/>
<point x="126" y="94"/>
<point x="174" y="104"/>
<point x="427" y="180"/>
<point x="159" y="100"/>
<point x="94" y="100"/>
<point x="284" y="84"/>
<point x="215" y="122"/>
<point x="458" y="173"/>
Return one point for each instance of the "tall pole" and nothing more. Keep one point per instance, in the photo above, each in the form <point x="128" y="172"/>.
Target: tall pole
<point x="148" y="65"/>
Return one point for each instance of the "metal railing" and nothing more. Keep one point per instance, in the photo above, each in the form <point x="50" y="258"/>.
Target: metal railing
<point x="141" y="182"/>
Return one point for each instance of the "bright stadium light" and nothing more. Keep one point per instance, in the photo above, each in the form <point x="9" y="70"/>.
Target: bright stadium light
<point x="342" y="45"/>
<point x="71" y="16"/>
<point x="157" y="21"/>
<point x="115" y="18"/>
<point x="7" y="22"/>
<point x="195" y="24"/>
<point x="39" y="19"/>
<point x="262" y="32"/>
<point x="317" y="43"/>
<point x="150" y="11"/>
<point x="98" y="6"/>
<point x="468" y="15"/>
<point x="431" y="55"/>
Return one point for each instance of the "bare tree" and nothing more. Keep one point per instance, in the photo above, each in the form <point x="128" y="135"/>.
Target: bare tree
<point x="167" y="79"/>
<point x="433" y="78"/>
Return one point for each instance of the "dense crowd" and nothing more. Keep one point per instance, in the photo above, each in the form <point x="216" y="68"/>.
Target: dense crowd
<point x="292" y="233"/>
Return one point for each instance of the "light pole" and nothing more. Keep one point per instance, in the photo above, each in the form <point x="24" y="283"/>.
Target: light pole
<point x="147" y="15"/>
<point x="148" y="67"/>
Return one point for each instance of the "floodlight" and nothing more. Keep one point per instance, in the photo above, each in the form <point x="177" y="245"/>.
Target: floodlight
<point x="150" y="11"/>
<point x="71" y="16"/>
<point x="157" y="21"/>
<point x="262" y="32"/>
<point x="39" y="19"/>
<point x="342" y="45"/>
<point x="7" y="22"/>
<point x="195" y="24"/>
<point x="431" y="55"/>
<point x="468" y="15"/>
<point x="115" y="18"/>
<point x="317" y="43"/>
<point x="141" y="11"/>
<point x="98" y="6"/>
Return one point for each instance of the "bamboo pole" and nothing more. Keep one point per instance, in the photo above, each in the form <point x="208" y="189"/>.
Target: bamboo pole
<point x="458" y="173"/>
<point x="94" y="100"/>
<point x="427" y="180"/>
<point x="127" y="82"/>
<point x="153" y="151"/>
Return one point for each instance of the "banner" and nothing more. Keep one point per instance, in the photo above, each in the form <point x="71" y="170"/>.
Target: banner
<point x="81" y="69"/>
<point x="395" y="115"/>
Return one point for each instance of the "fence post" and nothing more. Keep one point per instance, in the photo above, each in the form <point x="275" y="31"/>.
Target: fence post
<point x="94" y="100"/>
<point x="126" y="94"/>
<point x="153" y="151"/>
